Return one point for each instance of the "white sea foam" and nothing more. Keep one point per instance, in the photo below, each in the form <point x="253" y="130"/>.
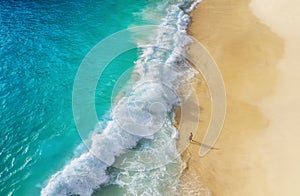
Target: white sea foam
<point x="144" y="114"/>
<point x="192" y="6"/>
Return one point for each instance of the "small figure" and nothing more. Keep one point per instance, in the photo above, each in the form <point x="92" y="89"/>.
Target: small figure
<point x="191" y="137"/>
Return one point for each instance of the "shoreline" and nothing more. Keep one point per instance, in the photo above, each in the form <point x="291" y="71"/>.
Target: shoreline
<point x="247" y="52"/>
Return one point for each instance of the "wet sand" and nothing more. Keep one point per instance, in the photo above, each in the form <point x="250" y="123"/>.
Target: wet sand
<point x="256" y="47"/>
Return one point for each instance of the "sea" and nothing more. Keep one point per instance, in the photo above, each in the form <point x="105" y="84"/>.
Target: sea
<point x="42" y="45"/>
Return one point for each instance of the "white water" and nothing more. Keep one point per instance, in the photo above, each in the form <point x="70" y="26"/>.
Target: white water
<point x="144" y="116"/>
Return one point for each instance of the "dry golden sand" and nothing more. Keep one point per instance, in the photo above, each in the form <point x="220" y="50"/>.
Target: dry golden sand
<point x="258" y="57"/>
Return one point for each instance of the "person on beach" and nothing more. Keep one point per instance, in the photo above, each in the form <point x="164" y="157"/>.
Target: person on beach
<point x="191" y="137"/>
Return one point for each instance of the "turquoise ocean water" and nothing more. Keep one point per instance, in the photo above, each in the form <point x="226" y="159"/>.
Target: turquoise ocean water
<point x="42" y="45"/>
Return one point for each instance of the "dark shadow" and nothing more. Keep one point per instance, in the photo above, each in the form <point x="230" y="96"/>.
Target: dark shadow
<point x="207" y="146"/>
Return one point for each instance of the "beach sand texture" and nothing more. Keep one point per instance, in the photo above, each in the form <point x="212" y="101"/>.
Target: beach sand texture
<point x="256" y="46"/>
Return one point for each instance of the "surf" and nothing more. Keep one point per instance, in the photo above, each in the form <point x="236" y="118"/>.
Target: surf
<point x="151" y="158"/>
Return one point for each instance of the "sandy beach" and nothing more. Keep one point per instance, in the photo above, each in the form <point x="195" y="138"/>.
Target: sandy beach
<point x="255" y="45"/>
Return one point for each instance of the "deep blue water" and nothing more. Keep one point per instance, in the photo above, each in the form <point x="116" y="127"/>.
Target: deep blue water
<point x="42" y="43"/>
